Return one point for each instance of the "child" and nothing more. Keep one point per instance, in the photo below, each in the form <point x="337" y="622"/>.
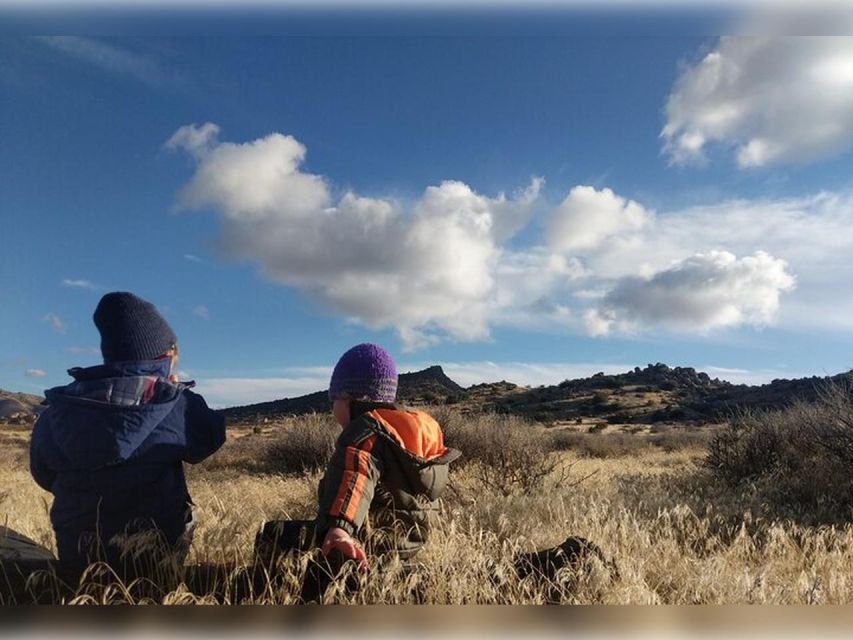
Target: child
<point x="387" y="461"/>
<point x="111" y="445"/>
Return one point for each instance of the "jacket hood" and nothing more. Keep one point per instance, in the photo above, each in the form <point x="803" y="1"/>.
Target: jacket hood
<point x="109" y="410"/>
<point x="419" y="444"/>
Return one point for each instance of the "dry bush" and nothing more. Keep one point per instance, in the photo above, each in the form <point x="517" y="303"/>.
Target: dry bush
<point x="305" y="444"/>
<point x="510" y="453"/>
<point x="797" y="459"/>
<point x="299" y="444"/>
<point x="683" y="438"/>
<point x="600" y="445"/>
<point x="615" y="445"/>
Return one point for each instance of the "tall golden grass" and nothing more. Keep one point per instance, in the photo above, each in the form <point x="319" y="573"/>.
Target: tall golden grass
<point x="676" y="533"/>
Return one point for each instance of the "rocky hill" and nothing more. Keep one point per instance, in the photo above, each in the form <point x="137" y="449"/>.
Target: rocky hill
<point x="18" y="407"/>
<point x="656" y="393"/>
<point x="429" y="386"/>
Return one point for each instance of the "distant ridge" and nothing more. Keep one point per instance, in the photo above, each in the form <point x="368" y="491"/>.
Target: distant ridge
<point x="18" y="405"/>
<point x="656" y="393"/>
<point x="428" y="386"/>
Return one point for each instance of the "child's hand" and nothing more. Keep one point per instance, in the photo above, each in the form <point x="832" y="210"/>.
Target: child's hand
<point x="337" y="538"/>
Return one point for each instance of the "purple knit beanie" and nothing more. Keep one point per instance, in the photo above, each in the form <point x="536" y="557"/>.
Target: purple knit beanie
<point x="367" y="371"/>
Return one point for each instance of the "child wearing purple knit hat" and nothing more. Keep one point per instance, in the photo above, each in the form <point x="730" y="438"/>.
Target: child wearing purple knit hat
<point x="389" y="462"/>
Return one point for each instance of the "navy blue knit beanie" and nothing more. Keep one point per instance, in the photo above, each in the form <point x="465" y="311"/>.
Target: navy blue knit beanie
<point x="365" y="372"/>
<point x="131" y="328"/>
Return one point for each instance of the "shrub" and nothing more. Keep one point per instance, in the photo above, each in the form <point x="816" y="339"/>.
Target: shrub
<point x="509" y="453"/>
<point x="601" y="398"/>
<point x="614" y="445"/>
<point x="601" y="445"/>
<point x="296" y="445"/>
<point x="798" y="457"/>
<point x="684" y="438"/>
<point x="305" y="444"/>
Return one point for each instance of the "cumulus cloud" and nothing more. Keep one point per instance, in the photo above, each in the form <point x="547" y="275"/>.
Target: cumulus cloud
<point x="452" y="264"/>
<point x="197" y="140"/>
<point x="703" y="292"/>
<point x="55" y="322"/>
<point x="421" y="269"/>
<point x="200" y="311"/>
<point x="811" y="234"/>
<point x="35" y="373"/>
<point x="588" y="216"/>
<point x="771" y="99"/>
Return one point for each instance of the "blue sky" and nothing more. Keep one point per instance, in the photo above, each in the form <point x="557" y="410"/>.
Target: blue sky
<point x="675" y="198"/>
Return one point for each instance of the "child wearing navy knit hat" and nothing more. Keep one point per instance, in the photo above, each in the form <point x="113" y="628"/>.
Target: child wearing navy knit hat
<point x="111" y="445"/>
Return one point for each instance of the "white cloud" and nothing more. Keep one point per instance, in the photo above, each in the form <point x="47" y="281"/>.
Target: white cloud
<point x="192" y="257"/>
<point x="425" y="271"/>
<point x="230" y="392"/>
<point x="588" y="217"/>
<point x="200" y="311"/>
<point x="771" y="99"/>
<point x="703" y="292"/>
<point x="79" y="284"/>
<point x="444" y="266"/>
<point x="196" y="140"/>
<point x="55" y="322"/>
<point x="108" y="57"/>
<point x="811" y="234"/>
<point x="35" y="373"/>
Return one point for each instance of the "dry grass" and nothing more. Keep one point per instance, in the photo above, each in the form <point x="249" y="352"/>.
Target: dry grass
<point x="677" y="534"/>
<point x="617" y="444"/>
<point x="796" y="461"/>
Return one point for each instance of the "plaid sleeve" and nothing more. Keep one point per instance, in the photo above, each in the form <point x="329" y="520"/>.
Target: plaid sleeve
<point x="350" y="480"/>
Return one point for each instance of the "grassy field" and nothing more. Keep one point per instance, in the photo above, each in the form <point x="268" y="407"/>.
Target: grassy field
<point x="675" y="534"/>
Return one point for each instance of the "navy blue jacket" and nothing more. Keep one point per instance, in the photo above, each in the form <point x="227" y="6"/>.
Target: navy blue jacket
<point x="111" y="447"/>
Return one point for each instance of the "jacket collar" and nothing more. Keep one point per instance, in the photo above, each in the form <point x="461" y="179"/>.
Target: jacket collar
<point x="159" y="368"/>
<point x="358" y="408"/>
